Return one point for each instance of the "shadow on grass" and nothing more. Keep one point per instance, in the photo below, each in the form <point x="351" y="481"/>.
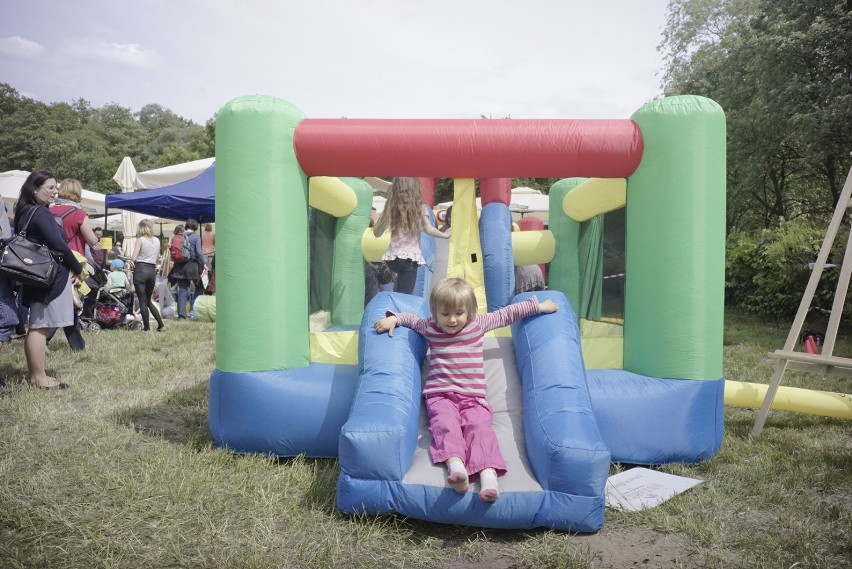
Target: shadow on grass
<point x="181" y="418"/>
<point x="739" y="422"/>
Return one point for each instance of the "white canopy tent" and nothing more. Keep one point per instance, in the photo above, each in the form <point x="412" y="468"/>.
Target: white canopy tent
<point x="169" y="175"/>
<point x="524" y="201"/>
<point x="10" y="188"/>
<point x="113" y="222"/>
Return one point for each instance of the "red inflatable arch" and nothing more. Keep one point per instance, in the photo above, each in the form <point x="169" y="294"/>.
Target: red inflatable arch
<point x="468" y="148"/>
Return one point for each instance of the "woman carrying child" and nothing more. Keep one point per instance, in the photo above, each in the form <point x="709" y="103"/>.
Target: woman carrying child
<point x="406" y="216"/>
<point x="459" y="416"/>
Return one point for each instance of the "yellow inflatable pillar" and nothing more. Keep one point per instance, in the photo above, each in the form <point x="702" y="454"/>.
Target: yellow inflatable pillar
<point x="812" y="402"/>
<point x="465" y="256"/>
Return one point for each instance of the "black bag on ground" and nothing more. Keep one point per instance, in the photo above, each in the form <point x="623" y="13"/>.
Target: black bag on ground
<point x="27" y="262"/>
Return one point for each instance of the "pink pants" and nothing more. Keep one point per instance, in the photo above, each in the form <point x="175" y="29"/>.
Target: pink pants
<point x="461" y="426"/>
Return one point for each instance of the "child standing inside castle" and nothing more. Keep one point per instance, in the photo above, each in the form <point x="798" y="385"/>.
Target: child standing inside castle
<point x="459" y="416"/>
<point x="406" y="216"/>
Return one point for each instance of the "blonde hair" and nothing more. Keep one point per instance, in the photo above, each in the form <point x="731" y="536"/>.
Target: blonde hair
<point x="165" y="260"/>
<point x="145" y="229"/>
<point x="452" y="293"/>
<point x="404" y="209"/>
<point x="71" y="189"/>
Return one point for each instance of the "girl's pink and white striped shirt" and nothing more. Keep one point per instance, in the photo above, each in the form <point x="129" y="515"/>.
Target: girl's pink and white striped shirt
<point x="456" y="362"/>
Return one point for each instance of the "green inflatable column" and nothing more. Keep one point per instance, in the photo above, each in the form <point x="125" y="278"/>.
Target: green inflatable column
<point x="322" y="227"/>
<point x="564" y="272"/>
<point x="262" y="238"/>
<point x="591" y="267"/>
<point x="675" y="242"/>
<point x="348" y="303"/>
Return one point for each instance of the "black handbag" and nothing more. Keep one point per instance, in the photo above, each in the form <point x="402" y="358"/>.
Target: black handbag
<point x="27" y="262"/>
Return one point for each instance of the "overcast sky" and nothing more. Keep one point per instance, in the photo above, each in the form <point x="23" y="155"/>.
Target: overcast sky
<point x="339" y="58"/>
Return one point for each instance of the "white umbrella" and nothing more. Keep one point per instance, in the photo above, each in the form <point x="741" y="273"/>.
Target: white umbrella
<point x="125" y="177"/>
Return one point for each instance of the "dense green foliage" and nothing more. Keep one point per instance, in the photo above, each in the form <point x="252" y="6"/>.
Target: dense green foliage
<point x="767" y="270"/>
<point x="782" y="70"/>
<point x="79" y="141"/>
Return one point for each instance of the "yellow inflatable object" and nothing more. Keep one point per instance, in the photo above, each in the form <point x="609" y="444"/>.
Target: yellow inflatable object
<point x="594" y="197"/>
<point x="374" y="247"/>
<point x="331" y="196"/>
<point x="334" y="347"/>
<point x="465" y="256"/>
<point x="82" y="288"/>
<point x="533" y="247"/>
<point x="823" y="403"/>
<point x="602" y="344"/>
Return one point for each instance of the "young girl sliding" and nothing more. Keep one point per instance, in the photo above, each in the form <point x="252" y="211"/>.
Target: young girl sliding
<point x="459" y="416"/>
<point x="406" y="216"/>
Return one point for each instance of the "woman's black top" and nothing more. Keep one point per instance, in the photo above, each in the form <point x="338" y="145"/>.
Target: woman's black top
<point x="43" y="229"/>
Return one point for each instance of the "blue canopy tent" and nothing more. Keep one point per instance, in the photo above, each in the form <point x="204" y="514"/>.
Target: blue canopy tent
<point x="194" y="198"/>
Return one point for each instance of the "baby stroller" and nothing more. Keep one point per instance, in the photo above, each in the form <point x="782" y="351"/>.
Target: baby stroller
<point x="104" y="309"/>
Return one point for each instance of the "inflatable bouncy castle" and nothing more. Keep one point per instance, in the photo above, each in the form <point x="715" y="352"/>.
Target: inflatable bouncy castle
<point x="292" y="217"/>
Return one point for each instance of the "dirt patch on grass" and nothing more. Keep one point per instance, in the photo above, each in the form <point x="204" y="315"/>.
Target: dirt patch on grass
<point x="639" y="547"/>
<point x="618" y="548"/>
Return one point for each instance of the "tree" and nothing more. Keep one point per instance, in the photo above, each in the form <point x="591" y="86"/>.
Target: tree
<point x="782" y="70"/>
<point x="78" y="141"/>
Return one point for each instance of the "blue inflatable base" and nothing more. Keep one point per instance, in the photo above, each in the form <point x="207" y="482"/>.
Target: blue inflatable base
<point x="514" y="510"/>
<point x="282" y="412"/>
<point x="574" y="422"/>
<point x="649" y="420"/>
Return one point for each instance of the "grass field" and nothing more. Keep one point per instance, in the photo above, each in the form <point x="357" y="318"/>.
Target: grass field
<point x="120" y="472"/>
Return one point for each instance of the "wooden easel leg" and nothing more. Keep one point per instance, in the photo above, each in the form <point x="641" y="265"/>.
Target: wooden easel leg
<point x="780" y="368"/>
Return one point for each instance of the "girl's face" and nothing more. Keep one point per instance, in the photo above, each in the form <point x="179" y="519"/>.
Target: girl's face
<point x="44" y="193"/>
<point x="451" y="319"/>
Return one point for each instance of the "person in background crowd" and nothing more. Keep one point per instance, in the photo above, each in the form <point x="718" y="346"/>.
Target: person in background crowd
<point x="67" y="210"/>
<point x="188" y="272"/>
<point x="51" y="307"/>
<point x="8" y="306"/>
<point x="208" y="246"/>
<point x="405" y="215"/>
<point x="97" y="255"/>
<point x="448" y="219"/>
<point x="145" y="255"/>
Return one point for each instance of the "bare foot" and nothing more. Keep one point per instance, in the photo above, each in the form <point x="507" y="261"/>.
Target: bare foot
<point x="47" y="382"/>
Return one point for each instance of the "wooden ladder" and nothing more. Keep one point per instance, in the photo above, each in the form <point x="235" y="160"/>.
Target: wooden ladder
<point x="823" y="363"/>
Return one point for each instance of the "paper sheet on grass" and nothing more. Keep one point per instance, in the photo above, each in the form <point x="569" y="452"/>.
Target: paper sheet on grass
<point x="641" y="488"/>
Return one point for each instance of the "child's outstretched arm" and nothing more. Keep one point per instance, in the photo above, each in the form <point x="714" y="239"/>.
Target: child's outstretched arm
<point x="391" y="321"/>
<point x="386" y="324"/>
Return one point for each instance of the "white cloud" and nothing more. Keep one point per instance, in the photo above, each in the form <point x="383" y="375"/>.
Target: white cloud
<point x="20" y="47"/>
<point x="127" y="54"/>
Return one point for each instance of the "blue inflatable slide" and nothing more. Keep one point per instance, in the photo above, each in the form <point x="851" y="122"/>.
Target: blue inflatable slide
<point x="557" y="461"/>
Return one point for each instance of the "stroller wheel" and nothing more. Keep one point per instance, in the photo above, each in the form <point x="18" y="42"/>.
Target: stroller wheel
<point x="135" y="325"/>
<point x="93" y="327"/>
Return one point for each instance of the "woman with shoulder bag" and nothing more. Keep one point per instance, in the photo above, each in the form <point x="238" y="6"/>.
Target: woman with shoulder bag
<point x="50" y="307"/>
